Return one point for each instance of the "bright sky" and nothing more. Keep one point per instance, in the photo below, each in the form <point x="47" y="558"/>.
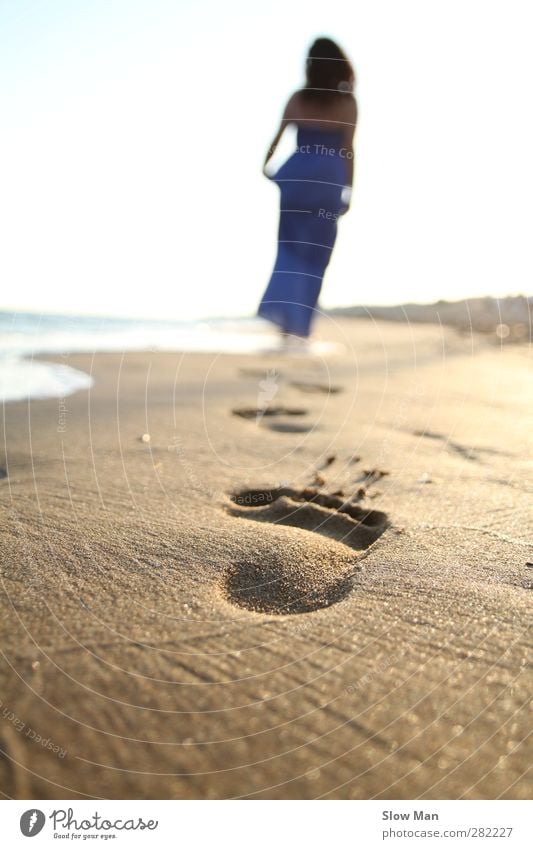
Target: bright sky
<point x="132" y="136"/>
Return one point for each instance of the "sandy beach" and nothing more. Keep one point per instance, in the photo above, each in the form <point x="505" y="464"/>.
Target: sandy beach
<point x="310" y="579"/>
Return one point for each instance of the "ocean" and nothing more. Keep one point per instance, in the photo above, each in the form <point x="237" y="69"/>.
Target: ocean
<point x="25" y="336"/>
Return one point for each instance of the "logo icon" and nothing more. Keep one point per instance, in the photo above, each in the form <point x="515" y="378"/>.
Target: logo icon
<point x="32" y="822"/>
<point x="268" y="388"/>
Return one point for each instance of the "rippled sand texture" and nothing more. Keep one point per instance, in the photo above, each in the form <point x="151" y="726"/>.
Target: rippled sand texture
<point x="311" y="578"/>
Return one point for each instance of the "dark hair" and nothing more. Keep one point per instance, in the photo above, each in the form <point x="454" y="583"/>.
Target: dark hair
<point x="328" y="69"/>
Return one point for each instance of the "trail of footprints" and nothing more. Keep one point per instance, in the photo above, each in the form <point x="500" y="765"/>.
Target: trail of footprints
<point x="285" y="584"/>
<point x="277" y="417"/>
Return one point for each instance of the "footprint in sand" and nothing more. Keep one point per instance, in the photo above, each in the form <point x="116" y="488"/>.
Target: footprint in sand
<point x="310" y="385"/>
<point x="323" y="388"/>
<point x="468" y="452"/>
<point x="299" y="584"/>
<point x="256" y="372"/>
<point x="257" y="414"/>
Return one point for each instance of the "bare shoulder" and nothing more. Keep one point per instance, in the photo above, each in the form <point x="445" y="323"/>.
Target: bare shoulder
<point x="293" y="109"/>
<point x="349" y="107"/>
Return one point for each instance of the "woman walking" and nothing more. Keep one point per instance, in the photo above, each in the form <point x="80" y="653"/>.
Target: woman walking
<point x="315" y="185"/>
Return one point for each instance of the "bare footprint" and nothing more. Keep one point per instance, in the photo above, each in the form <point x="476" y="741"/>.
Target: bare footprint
<point x="271" y="414"/>
<point x="313" y="510"/>
<point x="288" y="584"/>
<point x="323" y="388"/>
<point x="275" y="587"/>
<point x="255" y="413"/>
<point x="469" y="452"/>
<point x="288" y="427"/>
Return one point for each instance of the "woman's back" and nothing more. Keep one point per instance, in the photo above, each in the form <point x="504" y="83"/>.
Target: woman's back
<point x="323" y="111"/>
<point x="325" y="124"/>
<point x="313" y="185"/>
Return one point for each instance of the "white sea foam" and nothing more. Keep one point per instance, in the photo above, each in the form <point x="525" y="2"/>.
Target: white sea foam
<point x="21" y="379"/>
<point x="24" y="336"/>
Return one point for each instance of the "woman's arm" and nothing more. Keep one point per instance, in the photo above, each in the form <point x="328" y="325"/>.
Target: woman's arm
<point x="350" y="122"/>
<point x="289" y="116"/>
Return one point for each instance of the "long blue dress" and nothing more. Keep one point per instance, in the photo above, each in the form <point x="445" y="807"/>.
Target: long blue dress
<point x="311" y="183"/>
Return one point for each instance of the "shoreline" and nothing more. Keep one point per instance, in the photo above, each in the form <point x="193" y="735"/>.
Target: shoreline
<point x="501" y="321"/>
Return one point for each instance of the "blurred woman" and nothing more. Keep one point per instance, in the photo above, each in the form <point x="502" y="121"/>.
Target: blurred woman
<point x="315" y="186"/>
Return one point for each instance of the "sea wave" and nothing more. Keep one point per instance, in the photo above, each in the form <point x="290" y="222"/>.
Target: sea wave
<point x="24" y="336"/>
<point x="26" y="378"/>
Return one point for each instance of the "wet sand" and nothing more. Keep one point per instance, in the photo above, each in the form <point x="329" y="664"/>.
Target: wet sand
<point x="311" y="579"/>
